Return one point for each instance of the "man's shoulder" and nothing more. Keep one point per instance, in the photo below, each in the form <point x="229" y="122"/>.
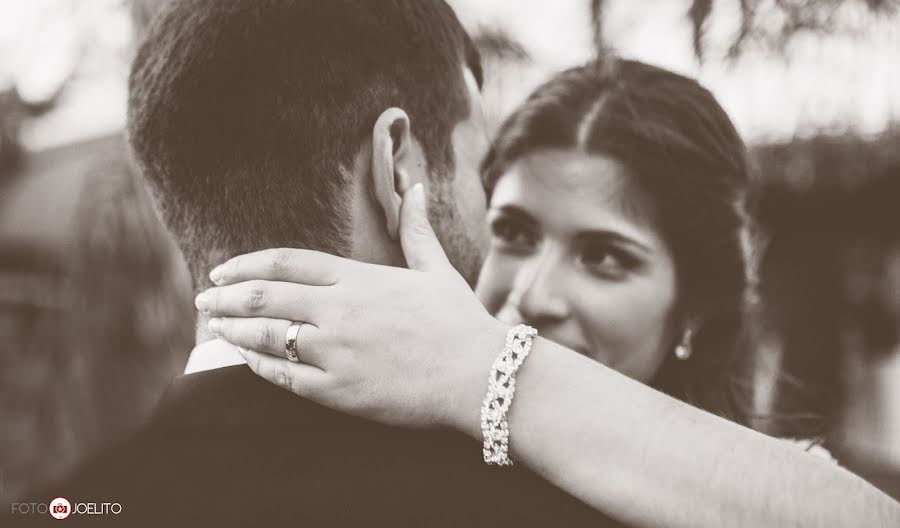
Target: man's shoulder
<point x="227" y="448"/>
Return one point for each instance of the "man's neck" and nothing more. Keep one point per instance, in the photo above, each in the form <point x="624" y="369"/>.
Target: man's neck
<point x="368" y="243"/>
<point x="210" y="353"/>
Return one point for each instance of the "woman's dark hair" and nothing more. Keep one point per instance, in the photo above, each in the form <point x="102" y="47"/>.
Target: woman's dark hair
<point x="674" y="138"/>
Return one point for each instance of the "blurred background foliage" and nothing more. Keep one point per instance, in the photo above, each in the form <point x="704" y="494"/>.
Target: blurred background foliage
<point x="810" y="84"/>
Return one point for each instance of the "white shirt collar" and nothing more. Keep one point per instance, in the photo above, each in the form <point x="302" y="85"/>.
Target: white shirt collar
<point x="211" y="355"/>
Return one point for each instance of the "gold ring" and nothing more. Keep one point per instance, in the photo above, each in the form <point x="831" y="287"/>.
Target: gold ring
<point x="290" y="342"/>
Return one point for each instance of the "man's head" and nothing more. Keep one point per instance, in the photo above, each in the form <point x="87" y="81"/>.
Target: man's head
<point x="258" y="123"/>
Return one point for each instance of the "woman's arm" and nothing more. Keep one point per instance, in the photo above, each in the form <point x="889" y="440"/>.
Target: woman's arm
<point x="414" y="347"/>
<point x="651" y="460"/>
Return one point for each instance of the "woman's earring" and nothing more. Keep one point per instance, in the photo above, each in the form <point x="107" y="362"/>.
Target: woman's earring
<point x="683" y="350"/>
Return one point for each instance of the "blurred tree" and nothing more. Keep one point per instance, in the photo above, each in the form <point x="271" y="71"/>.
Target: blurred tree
<point x="49" y="44"/>
<point x="10" y="121"/>
<point x="96" y="315"/>
<point x="13" y="112"/>
<point x="828" y="206"/>
<point x="770" y="24"/>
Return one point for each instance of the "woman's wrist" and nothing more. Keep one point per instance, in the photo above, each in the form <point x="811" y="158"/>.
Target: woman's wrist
<point x="466" y="395"/>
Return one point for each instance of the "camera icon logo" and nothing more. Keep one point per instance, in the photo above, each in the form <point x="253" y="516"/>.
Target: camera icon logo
<point x="60" y="508"/>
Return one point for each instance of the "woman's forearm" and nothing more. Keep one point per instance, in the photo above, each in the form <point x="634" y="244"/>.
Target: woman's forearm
<point x="628" y="450"/>
<point x="646" y="458"/>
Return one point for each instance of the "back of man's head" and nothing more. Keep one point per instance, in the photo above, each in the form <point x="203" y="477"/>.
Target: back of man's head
<point x="242" y="113"/>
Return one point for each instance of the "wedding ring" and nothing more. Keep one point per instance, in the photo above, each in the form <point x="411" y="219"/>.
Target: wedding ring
<point x="290" y="342"/>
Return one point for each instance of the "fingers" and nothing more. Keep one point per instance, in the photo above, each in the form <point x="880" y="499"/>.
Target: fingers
<point x="305" y="380"/>
<point x="269" y="336"/>
<point x="302" y="266"/>
<point x="421" y="247"/>
<point x="257" y="298"/>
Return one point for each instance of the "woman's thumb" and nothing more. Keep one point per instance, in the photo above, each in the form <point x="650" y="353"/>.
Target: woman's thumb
<point x="420" y="245"/>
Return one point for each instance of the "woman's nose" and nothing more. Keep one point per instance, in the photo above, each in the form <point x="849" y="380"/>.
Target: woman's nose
<point x="539" y="291"/>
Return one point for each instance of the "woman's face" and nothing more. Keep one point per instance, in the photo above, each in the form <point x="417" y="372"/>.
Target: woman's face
<point x="575" y="252"/>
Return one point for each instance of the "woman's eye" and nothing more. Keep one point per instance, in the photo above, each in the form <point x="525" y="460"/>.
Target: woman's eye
<point x="511" y="234"/>
<point x="606" y="260"/>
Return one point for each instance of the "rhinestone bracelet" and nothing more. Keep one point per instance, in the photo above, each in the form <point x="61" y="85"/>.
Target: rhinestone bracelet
<point x="501" y="389"/>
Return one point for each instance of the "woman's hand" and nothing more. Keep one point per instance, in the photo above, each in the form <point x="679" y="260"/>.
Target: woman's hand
<point x="399" y="346"/>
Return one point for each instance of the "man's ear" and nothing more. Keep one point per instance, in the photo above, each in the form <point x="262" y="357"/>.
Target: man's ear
<point x="392" y="159"/>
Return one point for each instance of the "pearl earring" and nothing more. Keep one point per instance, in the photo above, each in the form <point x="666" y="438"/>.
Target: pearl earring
<point x="683" y="350"/>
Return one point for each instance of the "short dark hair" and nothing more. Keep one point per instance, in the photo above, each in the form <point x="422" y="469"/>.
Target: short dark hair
<point x="243" y="113"/>
<point x="680" y="146"/>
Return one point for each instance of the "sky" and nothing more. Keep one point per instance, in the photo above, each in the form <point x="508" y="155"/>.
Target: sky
<point x="820" y="85"/>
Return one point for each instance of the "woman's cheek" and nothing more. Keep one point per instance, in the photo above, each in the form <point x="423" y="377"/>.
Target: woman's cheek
<point x="624" y="323"/>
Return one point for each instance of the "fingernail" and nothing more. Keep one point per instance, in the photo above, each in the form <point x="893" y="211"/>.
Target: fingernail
<point x="216" y="275"/>
<point x="215" y="326"/>
<point x="202" y="302"/>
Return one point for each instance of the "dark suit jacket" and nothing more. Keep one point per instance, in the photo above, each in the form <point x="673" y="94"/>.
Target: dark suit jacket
<point x="227" y="448"/>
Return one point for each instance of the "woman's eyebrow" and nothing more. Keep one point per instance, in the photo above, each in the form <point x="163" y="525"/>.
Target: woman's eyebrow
<point x="605" y="236"/>
<point x="516" y="213"/>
